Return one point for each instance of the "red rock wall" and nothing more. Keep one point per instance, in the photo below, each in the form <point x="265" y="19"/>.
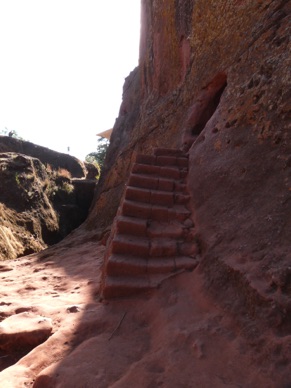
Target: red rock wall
<point x="185" y="45"/>
<point x="214" y="78"/>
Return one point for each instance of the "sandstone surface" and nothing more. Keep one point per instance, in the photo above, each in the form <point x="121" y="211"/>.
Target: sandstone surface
<point x="39" y="204"/>
<point x="24" y="330"/>
<point x="47" y="156"/>
<point x="214" y="80"/>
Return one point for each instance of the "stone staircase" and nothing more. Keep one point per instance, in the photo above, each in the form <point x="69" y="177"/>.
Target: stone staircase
<point x="153" y="234"/>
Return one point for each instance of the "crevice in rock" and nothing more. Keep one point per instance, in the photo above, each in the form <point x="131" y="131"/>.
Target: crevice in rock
<point x="202" y="110"/>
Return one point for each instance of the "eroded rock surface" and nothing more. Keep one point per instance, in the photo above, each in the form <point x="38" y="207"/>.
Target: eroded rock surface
<point x="213" y="78"/>
<point x="24" y="331"/>
<point x="38" y="205"/>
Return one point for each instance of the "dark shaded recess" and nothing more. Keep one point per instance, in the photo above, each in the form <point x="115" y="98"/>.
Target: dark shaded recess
<point x="208" y="111"/>
<point x="72" y="208"/>
<point x="183" y="16"/>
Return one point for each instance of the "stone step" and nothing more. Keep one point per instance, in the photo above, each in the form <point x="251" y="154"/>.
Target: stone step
<point x="173" y="172"/>
<point x="143" y="247"/>
<point x="152" y="229"/>
<point x="179" y="161"/>
<point x="144" y="181"/>
<point x="156" y="183"/>
<point x="163" y="247"/>
<point x="163" y="160"/>
<point x="154" y="234"/>
<point x="145" y="159"/>
<point x="127" y="244"/>
<point x="157" y="265"/>
<point x="155" y="212"/>
<point x="185" y="262"/>
<point x="156" y="197"/>
<point x="120" y="286"/>
<point x="131" y="225"/>
<point x="151" y="182"/>
<point x="173" y="230"/>
<point x="154" y="247"/>
<point x="115" y="287"/>
<point x="169" y="152"/>
<point x="125" y="265"/>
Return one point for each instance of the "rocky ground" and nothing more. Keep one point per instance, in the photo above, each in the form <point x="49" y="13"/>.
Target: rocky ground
<point x="176" y="336"/>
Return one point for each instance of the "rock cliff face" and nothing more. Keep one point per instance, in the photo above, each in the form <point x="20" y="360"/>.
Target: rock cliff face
<point x="214" y="79"/>
<point x="41" y="199"/>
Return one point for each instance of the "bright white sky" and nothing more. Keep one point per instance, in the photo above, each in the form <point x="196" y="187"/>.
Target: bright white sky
<point x="62" y="68"/>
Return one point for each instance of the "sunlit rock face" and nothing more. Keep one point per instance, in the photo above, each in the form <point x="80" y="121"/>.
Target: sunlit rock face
<point x="214" y="79"/>
<point x="41" y="200"/>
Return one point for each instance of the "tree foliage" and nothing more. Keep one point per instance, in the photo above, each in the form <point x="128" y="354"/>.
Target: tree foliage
<point x="99" y="155"/>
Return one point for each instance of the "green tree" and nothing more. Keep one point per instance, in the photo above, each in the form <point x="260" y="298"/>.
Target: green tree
<point x="99" y="155"/>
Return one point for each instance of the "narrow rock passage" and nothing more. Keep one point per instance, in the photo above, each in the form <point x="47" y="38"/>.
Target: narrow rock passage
<point x="153" y="234"/>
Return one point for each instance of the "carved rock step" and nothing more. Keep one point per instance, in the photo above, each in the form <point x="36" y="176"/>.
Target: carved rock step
<point x="154" y="234"/>
<point x="153" y="229"/>
<point x="119" y="286"/>
<point x="154" y="212"/>
<point x="126" y="265"/>
<point x="155" y="197"/>
<point x="131" y="225"/>
<point x="169" y="152"/>
<point x="172" y="230"/>
<point x="155" y="183"/>
<point x="126" y="286"/>
<point x="144" y="247"/>
<point x="163" y="160"/>
<point x="115" y="287"/>
<point x="173" y="172"/>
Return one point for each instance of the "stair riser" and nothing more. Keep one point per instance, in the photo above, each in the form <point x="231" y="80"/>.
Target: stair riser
<point x="169" y="152"/>
<point x="143" y="181"/>
<point x="166" y="249"/>
<point x="150" y="197"/>
<point x="130" y="247"/>
<point x="133" y="209"/>
<point x="179" y="161"/>
<point x="159" y="184"/>
<point x="161" y="267"/>
<point x="154" y="233"/>
<point x="156" y="213"/>
<point x="132" y="228"/>
<point x="124" y="268"/>
<point x="138" y="195"/>
<point x="159" y="171"/>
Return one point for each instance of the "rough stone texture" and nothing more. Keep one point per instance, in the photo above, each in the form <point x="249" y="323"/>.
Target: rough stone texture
<point x="214" y="78"/>
<point x="28" y="220"/>
<point x="149" y="241"/>
<point x="215" y="73"/>
<point x="24" y="331"/>
<point x="38" y="206"/>
<point x="55" y="159"/>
